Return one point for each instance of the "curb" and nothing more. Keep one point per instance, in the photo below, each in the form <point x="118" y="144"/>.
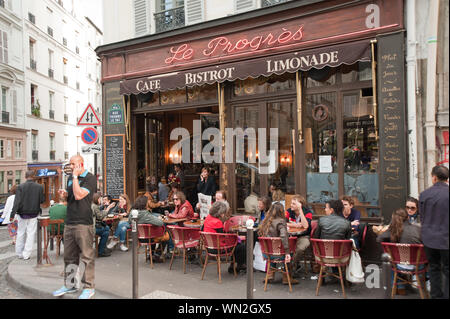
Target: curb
<point x="41" y="294"/>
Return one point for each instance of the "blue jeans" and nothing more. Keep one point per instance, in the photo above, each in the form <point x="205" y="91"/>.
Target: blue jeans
<point x="401" y="284"/>
<point x="103" y="232"/>
<point x="121" y="231"/>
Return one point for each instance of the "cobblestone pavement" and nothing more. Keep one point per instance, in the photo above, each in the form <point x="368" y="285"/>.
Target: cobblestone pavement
<point x="7" y="255"/>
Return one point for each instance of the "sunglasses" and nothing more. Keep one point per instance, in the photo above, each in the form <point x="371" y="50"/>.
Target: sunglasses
<point x="176" y="199"/>
<point x="411" y="207"/>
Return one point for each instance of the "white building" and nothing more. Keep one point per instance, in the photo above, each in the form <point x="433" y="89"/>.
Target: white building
<point x="61" y="78"/>
<point x="13" y="161"/>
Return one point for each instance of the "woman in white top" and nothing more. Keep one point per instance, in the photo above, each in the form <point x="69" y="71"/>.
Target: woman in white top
<point x="12" y="227"/>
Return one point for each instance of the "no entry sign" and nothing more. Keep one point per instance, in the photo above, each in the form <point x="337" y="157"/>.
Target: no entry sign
<point x="89" y="135"/>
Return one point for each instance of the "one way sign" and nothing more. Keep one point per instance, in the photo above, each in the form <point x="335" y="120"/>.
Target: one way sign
<point x="89" y="117"/>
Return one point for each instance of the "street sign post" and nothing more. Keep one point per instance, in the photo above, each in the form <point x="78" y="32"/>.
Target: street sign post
<point x="89" y="135"/>
<point x="91" y="149"/>
<point x="89" y="117"/>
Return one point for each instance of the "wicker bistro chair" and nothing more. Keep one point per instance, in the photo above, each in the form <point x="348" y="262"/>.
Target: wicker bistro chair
<point x="308" y="255"/>
<point x="331" y="253"/>
<point x="273" y="252"/>
<point x="185" y="238"/>
<point x="219" y="246"/>
<point x="51" y="229"/>
<point x="412" y="255"/>
<point x="150" y="233"/>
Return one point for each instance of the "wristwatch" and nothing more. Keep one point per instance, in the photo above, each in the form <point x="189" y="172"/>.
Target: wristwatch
<point x="75" y="177"/>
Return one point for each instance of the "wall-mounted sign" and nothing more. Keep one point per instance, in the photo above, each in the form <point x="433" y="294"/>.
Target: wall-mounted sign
<point x="91" y="149"/>
<point x="115" y="114"/>
<point x="89" y="135"/>
<point x="46" y="172"/>
<point x="89" y="117"/>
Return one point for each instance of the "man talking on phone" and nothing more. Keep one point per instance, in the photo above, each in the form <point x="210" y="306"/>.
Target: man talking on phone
<point x="79" y="230"/>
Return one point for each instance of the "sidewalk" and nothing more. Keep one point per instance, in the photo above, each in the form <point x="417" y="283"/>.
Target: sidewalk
<point x="113" y="279"/>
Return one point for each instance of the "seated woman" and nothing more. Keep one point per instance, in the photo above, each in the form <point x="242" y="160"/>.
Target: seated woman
<point x="264" y="204"/>
<point x="214" y="224"/>
<point x="412" y="208"/>
<point x="401" y="231"/>
<point x="279" y="197"/>
<point x="183" y="209"/>
<point x="123" y="209"/>
<point x="274" y="225"/>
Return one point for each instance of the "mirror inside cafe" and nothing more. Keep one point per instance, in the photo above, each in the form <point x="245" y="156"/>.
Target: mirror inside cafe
<point x="337" y="154"/>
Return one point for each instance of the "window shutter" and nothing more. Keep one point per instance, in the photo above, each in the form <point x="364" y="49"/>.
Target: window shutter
<point x="1" y="46"/>
<point x="14" y="106"/>
<point x="244" y="5"/>
<point x="195" y="11"/>
<point x="140" y="17"/>
<point x="5" y="47"/>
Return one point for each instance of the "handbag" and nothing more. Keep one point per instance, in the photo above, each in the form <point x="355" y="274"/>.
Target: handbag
<point x="258" y="263"/>
<point x="165" y="237"/>
<point x="12" y="229"/>
<point x="354" y="272"/>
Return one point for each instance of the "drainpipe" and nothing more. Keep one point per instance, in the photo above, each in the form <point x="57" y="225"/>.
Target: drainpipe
<point x="411" y="59"/>
<point x="430" y="115"/>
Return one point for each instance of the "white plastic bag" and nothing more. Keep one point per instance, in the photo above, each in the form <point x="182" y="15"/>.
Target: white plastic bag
<point x="258" y="263"/>
<point x="354" y="272"/>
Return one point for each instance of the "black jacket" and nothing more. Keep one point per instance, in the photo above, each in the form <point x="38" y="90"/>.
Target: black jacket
<point x="28" y="200"/>
<point x="207" y="187"/>
<point x="410" y="234"/>
<point x="333" y="227"/>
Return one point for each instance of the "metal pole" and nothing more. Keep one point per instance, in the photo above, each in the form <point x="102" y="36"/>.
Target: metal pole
<point x="387" y="275"/>
<point x="39" y="241"/>
<point x="134" y="215"/>
<point x="250" y="281"/>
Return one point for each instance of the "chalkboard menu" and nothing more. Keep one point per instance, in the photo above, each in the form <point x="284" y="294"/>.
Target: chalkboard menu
<point x="114" y="163"/>
<point x="391" y="92"/>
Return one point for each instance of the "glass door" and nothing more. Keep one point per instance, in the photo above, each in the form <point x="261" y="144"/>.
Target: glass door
<point x="321" y="145"/>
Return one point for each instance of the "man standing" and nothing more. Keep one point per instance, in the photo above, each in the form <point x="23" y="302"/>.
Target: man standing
<point x="27" y="204"/>
<point x="79" y="230"/>
<point x="433" y="207"/>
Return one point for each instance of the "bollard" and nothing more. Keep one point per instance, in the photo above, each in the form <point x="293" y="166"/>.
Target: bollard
<point x="39" y="240"/>
<point x="134" y="215"/>
<point x="387" y="275"/>
<point x="250" y="280"/>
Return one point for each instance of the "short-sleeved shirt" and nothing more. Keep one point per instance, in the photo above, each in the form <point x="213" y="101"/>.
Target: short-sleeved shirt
<point x="79" y="211"/>
<point x="59" y="211"/>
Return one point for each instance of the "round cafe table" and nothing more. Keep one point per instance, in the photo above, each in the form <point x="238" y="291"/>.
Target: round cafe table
<point x="193" y="224"/>
<point x="294" y="230"/>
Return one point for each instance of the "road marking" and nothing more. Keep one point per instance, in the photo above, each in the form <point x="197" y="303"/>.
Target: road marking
<point x="160" y="294"/>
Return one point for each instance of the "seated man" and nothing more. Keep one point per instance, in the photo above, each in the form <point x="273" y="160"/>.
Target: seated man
<point x="301" y="216"/>
<point x="333" y="225"/>
<point x="101" y="229"/>
<point x="353" y="216"/>
<point x="153" y="204"/>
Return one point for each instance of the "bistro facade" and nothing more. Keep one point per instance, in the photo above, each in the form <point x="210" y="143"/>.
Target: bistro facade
<point x="328" y="75"/>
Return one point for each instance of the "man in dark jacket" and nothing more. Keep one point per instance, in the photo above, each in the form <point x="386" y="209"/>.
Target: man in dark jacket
<point x="27" y="204"/>
<point x="334" y="225"/>
<point x="206" y="184"/>
<point x="433" y="208"/>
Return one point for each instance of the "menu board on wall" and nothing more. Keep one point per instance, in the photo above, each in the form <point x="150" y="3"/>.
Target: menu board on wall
<point x="114" y="163"/>
<point x="391" y="101"/>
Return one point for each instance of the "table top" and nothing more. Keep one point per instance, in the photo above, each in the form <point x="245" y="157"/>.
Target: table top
<point x="295" y="230"/>
<point x="173" y="220"/>
<point x="193" y="224"/>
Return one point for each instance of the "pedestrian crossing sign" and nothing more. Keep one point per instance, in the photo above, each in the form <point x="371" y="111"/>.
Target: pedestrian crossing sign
<point x="89" y="117"/>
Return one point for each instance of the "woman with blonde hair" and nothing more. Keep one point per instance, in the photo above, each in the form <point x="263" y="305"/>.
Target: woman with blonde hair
<point x="279" y="197"/>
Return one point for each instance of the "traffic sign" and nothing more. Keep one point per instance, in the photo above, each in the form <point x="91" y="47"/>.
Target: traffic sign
<point x="89" y="135"/>
<point x="91" y="149"/>
<point x="89" y="117"/>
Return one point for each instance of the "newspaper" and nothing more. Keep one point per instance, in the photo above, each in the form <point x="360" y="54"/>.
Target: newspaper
<point x="205" y="204"/>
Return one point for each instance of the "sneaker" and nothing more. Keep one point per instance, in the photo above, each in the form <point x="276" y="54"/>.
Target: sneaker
<point x="112" y="243"/>
<point x="123" y="247"/>
<point x="64" y="290"/>
<point x="87" y="294"/>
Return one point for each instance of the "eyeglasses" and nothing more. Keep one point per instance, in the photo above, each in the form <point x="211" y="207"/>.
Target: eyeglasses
<point x="411" y="208"/>
<point x="176" y="199"/>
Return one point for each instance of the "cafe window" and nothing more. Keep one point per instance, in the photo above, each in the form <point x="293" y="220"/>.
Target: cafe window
<point x="173" y="97"/>
<point x="263" y="85"/>
<point x="202" y="93"/>
<point x="341" y="143"/>
<point x="18" y="149"/>
<point x="18" y="179"/>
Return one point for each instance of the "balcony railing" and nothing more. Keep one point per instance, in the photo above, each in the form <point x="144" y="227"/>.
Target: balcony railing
<point x="33" y="64"/>
<point x="169" y="19"/>
<point x="35" y="155"/>
<point x="66" y="117"/>
<point x="52" y="155"/>
<point x="51" y="114"/>
<point x="50" y="73"/>
<point x="65" y="79"/>
<point x="5" y="117"/>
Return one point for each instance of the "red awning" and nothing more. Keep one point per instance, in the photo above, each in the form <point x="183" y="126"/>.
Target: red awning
<point x="331" y="56"/>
